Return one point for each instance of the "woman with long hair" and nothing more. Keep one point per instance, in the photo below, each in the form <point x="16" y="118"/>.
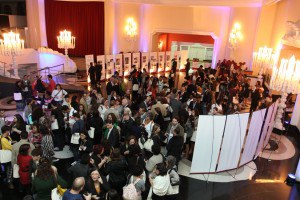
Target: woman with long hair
<point x="17" y="127"/>
<point x="82" y="112"/>
<point x="47" y="142"/>
<point x="96" y="184"/>
<point x="46" y="179"/>
<point x="95" y="121"/>
<point x="23" y="161"/>
<point x="195" y="113"/>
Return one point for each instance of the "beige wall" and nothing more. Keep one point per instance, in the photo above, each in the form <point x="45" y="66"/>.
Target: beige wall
<point x="247" y="18"/>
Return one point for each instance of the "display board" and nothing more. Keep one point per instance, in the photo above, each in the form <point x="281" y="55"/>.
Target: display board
<point x="161" y="61"/>
<point x="177" y="57"/>
<point x="136" y="57"/>
<point x="101" y="60"/>
<point x="253" y="136"/>
<point x="233" y="140"/>
<point x="206" y="150"/>
<point x="88" y="60"/>
<point x="110" y="66"/>
<point x="153" y="62"/>
<point x="119" y="64"/>
<point x="168" y="61"/>
<point x="145" y="61"/>
<point x="127" y="64"/>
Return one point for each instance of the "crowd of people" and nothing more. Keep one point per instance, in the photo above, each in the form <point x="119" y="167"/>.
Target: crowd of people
<point x="127" y="141"/>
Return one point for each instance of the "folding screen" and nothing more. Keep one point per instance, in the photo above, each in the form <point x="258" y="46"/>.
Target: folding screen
<point x="260" y="145"/>
<point x="209" y="136"/>
<point x="233" y="139"/>
<point x="168" y="61"/>
<point x="271" y="124"/>
<point x="253" y="136"/>
<point x="127" y="64"/>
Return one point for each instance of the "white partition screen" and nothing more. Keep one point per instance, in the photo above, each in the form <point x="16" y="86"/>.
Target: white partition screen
<point x="271" y="124"/>
<point x="253" y="136"/>
<point x="233" y="140"/>
<point x="260" y="145"/>
<point x="208" y="141"/>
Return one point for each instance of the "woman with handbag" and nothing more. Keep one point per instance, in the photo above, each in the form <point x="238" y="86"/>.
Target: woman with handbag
<point x="58" y="94"/>
<point x="173" y="192"/>
<point x="47" y="142"/>
<point x="23" y="161"/>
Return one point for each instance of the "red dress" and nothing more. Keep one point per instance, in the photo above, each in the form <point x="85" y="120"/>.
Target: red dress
<point x="24" y="163"/>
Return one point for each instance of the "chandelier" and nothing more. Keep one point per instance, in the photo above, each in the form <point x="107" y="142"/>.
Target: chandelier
<point x="131" y="29"/>
<point x="11" y="44"/>
<point x="264" y="59"/>
<point x="235" y="36"/>
<point x="66" y="41"/>
<point x="286" y="80"/>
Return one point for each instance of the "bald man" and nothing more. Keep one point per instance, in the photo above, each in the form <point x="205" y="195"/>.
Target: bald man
<point x="74" y="192"/>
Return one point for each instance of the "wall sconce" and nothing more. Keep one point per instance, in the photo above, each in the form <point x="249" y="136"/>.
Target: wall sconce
<point x="131" y="29"/>
<point x="160" y="45"/>
<point x="235" y="36"/>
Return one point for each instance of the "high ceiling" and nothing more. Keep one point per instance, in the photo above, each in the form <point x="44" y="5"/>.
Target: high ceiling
<point x="232" y="3"/>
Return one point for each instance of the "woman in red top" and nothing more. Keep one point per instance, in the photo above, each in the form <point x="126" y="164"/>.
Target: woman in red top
<point x="24" y="163"/>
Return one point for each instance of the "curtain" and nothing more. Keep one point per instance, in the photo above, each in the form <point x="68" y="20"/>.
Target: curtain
<point x="84" y="19"/>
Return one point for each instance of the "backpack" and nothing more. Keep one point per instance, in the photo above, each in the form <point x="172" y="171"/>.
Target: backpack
<point x="129" y="191"/>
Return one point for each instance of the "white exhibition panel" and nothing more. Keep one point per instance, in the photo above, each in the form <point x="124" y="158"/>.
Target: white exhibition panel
<point x="271" y="123"/>
<point x="209" y="137"/>
<point x="253" y="136"/>
<point x="233" y="140"/>
<point x="264" y="131"/>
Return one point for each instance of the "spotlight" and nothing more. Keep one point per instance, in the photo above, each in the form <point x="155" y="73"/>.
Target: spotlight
<point x="290" y="180"/>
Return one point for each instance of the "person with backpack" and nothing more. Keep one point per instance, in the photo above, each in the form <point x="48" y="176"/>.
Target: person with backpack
<point x="135" y="185"/>
<point x="173" y="191"/>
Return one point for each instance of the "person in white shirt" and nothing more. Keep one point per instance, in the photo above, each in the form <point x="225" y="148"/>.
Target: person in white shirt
<point x="161" y="183"/>
<point x="58" y="94"/>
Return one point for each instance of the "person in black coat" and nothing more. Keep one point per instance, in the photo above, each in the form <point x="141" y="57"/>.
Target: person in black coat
<point x="187" y="68"/>
<point x="110" y="87"/>
<point x="175" y="145"/>
<point x="85" y="144"/>
<point x="112" y="134"/>
<point x="256" y="97"/>
<point x="95" y="121"/>
<point x="126" y="126"/>
<point x="92" y="73"/>
<point x="96" y="185"/>
<point x="117" y="171"/>
<point x="134" y="158"/>
<point x="98" y="70"/>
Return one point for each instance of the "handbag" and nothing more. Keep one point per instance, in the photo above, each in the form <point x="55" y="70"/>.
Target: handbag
<point x="91" y="132"/>
<point x="5" y="156"/>
<point x="57" y="193"/>
<point x="148" y="144"/>
<point x="135" y="87"/>
<point x="75" y="138"/>
<point x="16" y="171"/>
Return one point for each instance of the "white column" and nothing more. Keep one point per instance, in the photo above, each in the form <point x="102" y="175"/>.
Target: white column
<point x="36" y="23"/>
<point x="296" y="114"/>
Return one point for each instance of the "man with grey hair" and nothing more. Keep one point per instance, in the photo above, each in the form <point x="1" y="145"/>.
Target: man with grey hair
<point x="74" y="192"/>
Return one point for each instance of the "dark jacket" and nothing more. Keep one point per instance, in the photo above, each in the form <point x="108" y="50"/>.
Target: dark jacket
<point x="117" y="171"/>
<point x="78" y="126"/>
<point x="90" y="187"/>
<point x="113" y="137"/>
<point x="97" y="123"/>
<point x="175" y="105"/>
<point x="79" y="170"/>
<point x="174" y="147"/>
<point x="88" y="144"/>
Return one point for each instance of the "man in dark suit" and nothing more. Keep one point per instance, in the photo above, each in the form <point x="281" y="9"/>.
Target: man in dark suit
<point x="110" y="87"/>
<point x="175" y="104"/>
<point x="187" y="68"/>
<point x="98" y="69"/>
<point x="255" y="98"/>
<point x="146" y="103"/>
<point x="112" y="134"/>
